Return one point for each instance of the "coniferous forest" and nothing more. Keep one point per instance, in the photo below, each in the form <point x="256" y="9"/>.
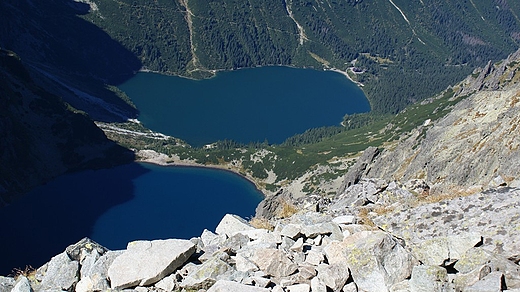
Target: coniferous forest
<point x="406" y="50"/>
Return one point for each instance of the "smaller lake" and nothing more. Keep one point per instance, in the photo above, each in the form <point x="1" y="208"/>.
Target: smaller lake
<point x="246" y="105"/>
<point x="118" y="205"/>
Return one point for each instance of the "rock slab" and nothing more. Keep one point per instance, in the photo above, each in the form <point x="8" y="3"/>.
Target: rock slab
<point x="146" y="262"/>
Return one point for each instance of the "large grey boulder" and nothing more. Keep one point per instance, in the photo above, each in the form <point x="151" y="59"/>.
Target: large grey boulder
<point x="428" y="279"/>
<point x="94" y="275"/>
<point x="22" y="285"/>
<point x="375" y="259"/>
<point x="205" y="275"/>
<point x="232" y="224"/>
<point x="477" y="263"/>
<point x="291" y="230"/>
<point x="230" y="286"/>
<point x="146" y="262"/>
<point x="327" y="228"/>
<point x="445" y="249"/>
<point x="6" y="284"/>
<point x="274" y="262"/>
<point x="60" y="273"/>
<point x="490" y="283"/>
<point x="334" y="276"/>
<point x="243" y="264"/>
<point x="209" y="238"/>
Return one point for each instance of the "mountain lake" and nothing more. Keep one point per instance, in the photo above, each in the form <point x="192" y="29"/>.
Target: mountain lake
<point x="246" y="105"/>
<point x="144" y="201"/>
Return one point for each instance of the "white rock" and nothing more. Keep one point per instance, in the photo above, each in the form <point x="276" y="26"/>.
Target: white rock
<point x="231" y="224"/>
<point x="298" y="245"/>
<point x="497" y="182"/>
<point x="345" y="219"/>
<point x="229" y="286"/>
<point x="6" y="283"/>
<point x="438" y="250"/>
<point x="209" y="238"/>
<point x="242" y="264"/>
<point x="22" y="285"/>
<point x="317" y="285"/>
<point x="291" y="230"/>
<point x="61" y="273"/>
<point x="333" y="276"/>
<point x="274" y="262"/>
<point x="490" y="283"/>
<point x="350" y="287"/>
<point x="147" y="262"/>
<point x="428" y="279"/>
<point x="141" y="289"/>
<point x="299" y="288"/>
<point x="317" y="240"/>
<point x="167" y="283"/>
<point x="314" y="257"/>
<point x="205" y="275"/>
<point x="94" y="278"/>
<point x="85" y="285"/>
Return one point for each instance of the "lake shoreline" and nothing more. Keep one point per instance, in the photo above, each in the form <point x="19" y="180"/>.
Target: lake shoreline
<point x="161" y="159"/>
<point x="345" y="73"/>
<point x="164" y="108"/>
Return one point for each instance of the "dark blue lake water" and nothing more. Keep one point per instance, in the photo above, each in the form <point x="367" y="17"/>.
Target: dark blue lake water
<point x="115" y="206"/>
<point x="246" y="105"/>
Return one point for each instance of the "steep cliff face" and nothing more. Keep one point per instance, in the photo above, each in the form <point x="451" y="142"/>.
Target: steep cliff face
<point x="475" y="144"/>
<point x="42" y="137"/>
<point x="73" y="58"/>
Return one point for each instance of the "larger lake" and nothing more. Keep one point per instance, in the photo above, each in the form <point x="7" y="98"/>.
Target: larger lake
<point x="246" y="105"/>
<point x="118" y="205"/>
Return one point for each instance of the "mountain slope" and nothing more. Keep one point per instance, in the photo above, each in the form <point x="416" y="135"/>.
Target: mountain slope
<point x="475" y="145"/>
<point x="77" y="60"/>
<point x="42" y="137"/>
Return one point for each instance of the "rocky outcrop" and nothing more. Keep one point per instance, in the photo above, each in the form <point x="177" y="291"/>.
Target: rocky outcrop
<point x="360" y="168"/>
<point x="146" y="262"/>
<point x="466" y="150"/>
<point x="271" y="206"/>
<point x="405" y="243"/>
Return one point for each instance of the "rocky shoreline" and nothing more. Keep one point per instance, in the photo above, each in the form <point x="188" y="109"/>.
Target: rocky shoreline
<point x="373" y="236"/>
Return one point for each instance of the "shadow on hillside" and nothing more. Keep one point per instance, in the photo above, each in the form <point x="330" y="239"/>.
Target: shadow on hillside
<point x="43" y="223"/>
<point x="76" y="55"/>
